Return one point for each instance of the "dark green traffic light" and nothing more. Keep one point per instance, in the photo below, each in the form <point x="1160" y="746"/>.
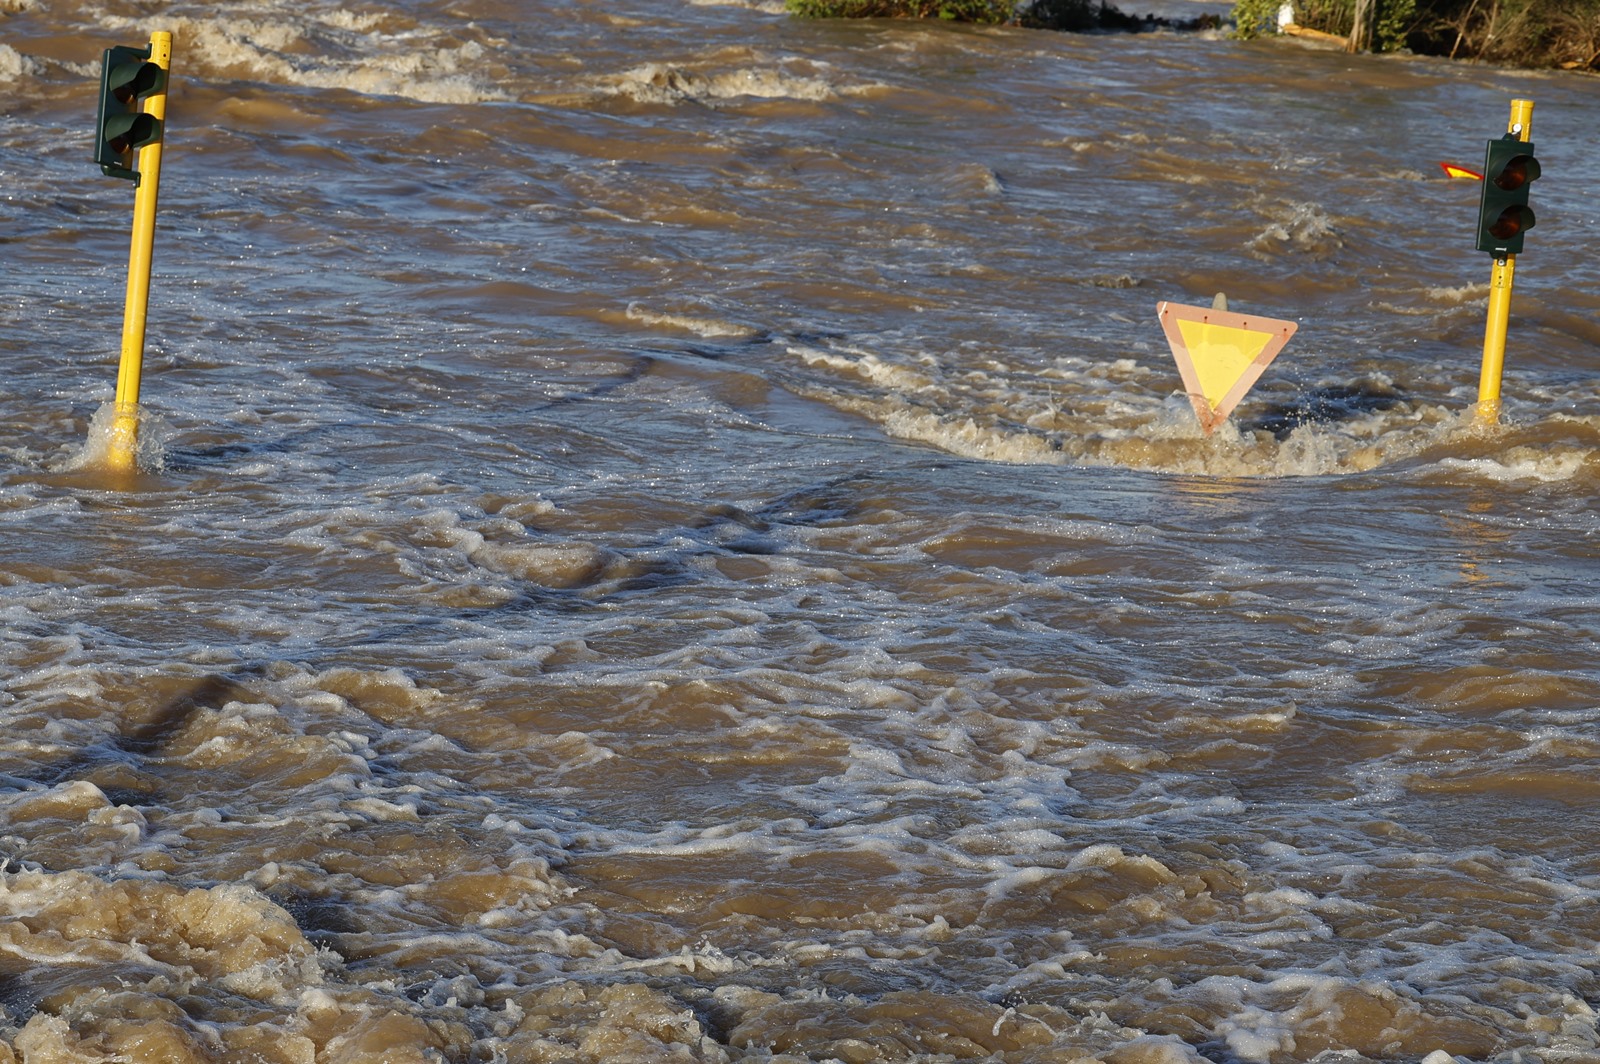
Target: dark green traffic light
<point x="126" y="77"/>
<point x="1503" y="212"/>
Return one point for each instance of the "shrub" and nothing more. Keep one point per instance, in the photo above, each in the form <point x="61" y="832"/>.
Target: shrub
<point x="1525" y="32"/>
<point x="1392" y="22"/>
<point x="1530" y="33"/>
<point x="1252" y="18"/>
<point x="1076" y="15"/>
<point x="1073" y="15"/>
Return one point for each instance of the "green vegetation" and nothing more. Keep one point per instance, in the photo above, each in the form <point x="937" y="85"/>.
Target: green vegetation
<point x="1385" y="33"/>
<point x="1075" y="15"/>
<point x="1529" y="33"/>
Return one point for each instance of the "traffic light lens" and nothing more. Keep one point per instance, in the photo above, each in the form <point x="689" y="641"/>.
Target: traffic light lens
<point x="1512" y="221"/>
<point x="126" y="132"/>
<point x="1518" y="171"/>
<point x="128" y="81"/>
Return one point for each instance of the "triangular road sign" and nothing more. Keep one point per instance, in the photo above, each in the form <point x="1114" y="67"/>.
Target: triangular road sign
<point x="1220" y="355"/>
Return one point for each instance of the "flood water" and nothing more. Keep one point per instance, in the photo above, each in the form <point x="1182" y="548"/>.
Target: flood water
<point x="669" y="532"/>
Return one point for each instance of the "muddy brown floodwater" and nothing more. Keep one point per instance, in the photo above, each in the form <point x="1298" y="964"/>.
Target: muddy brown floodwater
<point x="670" y="532"/>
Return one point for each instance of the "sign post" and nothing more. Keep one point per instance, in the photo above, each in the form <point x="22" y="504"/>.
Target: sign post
<point x="1503" y="217"/>
<point x="128" y="137"/>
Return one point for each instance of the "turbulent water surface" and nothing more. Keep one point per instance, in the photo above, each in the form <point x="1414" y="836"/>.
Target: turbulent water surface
<point x="668" y="532"/>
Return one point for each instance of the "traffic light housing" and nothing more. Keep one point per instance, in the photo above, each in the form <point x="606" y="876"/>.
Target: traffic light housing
<point x="127" y="76"/>
<point x="1503" y="212"/>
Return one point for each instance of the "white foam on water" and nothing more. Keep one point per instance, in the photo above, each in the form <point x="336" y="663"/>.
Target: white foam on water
<point x="1525" y="463"/>
<point x="1458" y="295"/>
<point x="1301" y="228"/>
<point x="14" y="65"/>
<point x="766" y="7"/>
<point x="729" y="75"/>
<point x="662" y="83"/>
<point x="698" y="324"/>
<point x="1114" y="414"/>
<point x="331" y="49"/>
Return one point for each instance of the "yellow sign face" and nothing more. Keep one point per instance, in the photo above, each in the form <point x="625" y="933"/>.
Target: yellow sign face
<point x="1220" y="355"/>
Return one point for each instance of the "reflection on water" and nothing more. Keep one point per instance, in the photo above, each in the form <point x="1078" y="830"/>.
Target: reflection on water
<point x="671" y="533"/>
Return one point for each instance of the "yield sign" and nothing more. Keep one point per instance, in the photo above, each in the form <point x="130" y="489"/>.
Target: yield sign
<point x="1220" y="355"/>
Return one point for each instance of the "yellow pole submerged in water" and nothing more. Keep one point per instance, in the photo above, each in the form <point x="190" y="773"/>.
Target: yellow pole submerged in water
<point x="123" y="446"/>
<point x="1500" y="279"/>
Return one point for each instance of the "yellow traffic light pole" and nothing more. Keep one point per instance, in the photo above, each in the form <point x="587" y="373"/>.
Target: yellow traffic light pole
<point x="1505" y="268"/>
<point x="123" y="446"/>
